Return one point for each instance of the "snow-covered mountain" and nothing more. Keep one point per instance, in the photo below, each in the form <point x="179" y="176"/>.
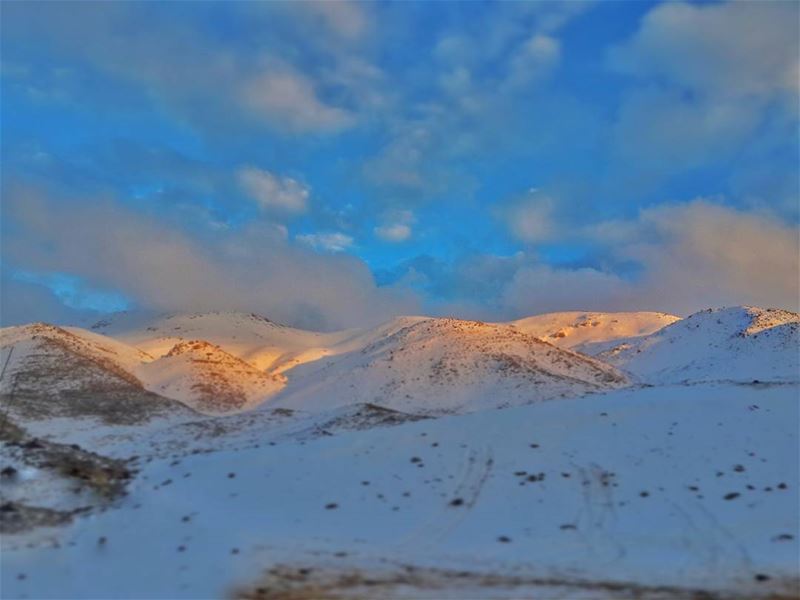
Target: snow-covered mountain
<point x="53" y="371"/>
<point x="585" y="331"/>
<point x="78" y="372"/>
<point x="264" y="344"/>
<point x="226" y="362"/>
<point x="208" y="379"/>
<point x="445" y="365"/>
<point x="742" y="343"/>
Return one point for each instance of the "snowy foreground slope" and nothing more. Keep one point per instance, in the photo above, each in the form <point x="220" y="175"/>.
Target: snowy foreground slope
<point x="374" y="463"/>
<point x="660" y="492"/>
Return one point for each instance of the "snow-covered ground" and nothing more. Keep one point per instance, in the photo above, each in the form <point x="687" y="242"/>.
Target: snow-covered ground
<point x="682" y="488"/>
<point x="681" y="484"/>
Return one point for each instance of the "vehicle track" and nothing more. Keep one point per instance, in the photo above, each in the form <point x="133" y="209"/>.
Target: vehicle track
<point x="475" y="468"/>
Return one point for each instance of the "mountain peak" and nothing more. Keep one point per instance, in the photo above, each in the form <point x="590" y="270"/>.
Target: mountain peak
<point x="441" y="365"/>
<point x="737" y="343"/>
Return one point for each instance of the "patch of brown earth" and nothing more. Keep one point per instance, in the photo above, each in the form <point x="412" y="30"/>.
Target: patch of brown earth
<point x="284" y="582"/>
<point x="104" y="477"/>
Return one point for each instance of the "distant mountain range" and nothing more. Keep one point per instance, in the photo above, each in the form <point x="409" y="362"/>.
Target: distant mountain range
<point x="227" y="362"/>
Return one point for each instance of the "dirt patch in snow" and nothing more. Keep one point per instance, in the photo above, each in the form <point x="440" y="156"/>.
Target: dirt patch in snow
<point x="291" y="582"/>
<point x="367" y="416"/>
<point x="103" y="478"/>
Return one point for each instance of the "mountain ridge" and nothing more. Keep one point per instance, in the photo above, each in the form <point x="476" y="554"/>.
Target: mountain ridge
<point x="225" y="361"/>
<point x="740" y="343"/>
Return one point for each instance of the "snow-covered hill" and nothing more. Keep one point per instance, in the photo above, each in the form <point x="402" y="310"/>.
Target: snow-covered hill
<point x="581" y="331"/>
<point x="75" y="372"/>
<point x="226" y="361"/>
<point x="53" y="371"/>
<point x="439" y="366"/>
<point x="208" y="379"/>
<point x="263" y="343"/>
<point x="743" y="344"/>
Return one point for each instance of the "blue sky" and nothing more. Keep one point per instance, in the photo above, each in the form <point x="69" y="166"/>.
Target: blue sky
<point x="333" y="163"/>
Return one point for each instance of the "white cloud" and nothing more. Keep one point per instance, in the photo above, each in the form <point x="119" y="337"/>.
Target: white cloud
<point x="401" y="162"/>
<point x="346" y="19"/>
<point x="254" y="269"/>
<point x="704" y="254"/>
<point x="288" y="100"/>
<point x="730" y="49"/>
<point x="534" y="59"/>
<point x="710" y="76"/>
<point x="270" y="191"/>
<point x="661" y="129"/>
<point x="329" y="242"/>
<point x="206" y="81"/>
<point x="393" y="233"/>
<point x="531" y="219"/>
<point x="692" y="256"/>
<point x="22" y="301"/>
<point x="397" y="227"/>
<point x="539" y="288"/>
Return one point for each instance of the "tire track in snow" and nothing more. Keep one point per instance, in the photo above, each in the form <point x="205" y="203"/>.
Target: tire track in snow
<point x="476" y="467"/>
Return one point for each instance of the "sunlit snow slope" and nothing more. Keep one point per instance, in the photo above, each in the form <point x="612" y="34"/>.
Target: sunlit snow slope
<point x="581" y="330"/>
<point x="741" y="343"/>
<point x="207" y="378"/>
<point x="680" y="492"/>
<point x="445" y="365"/>
<point x="53" y="371"/>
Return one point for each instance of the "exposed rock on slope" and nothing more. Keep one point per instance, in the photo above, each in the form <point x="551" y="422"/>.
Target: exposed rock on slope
<point x="587" y="331"/>
<point x="443" y="365"/>
<point x="50" y="371"/>
<point x="728" y="344"/>
<point x="205" y="377"/>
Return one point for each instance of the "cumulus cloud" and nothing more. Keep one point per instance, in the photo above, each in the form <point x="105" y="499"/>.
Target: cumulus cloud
<point x="531" y="218"/>
<point x="287" y="99"/>
<point x="329" y="242"/>
<point x="536" y="57"/>
<point x="689" y="256"/>
<point x="397" y="228"/>
<point x="273" y="192"/>
<point x="393" y="233"/>
<point x="483" y="76"/>
<point x="180" y="63"/>
<point x="346" y="19"/>
<point x="705" y="254"/>
<point x="661" y="129"/>
<point x="729" y="49"/>
<point x="253" y="269"/>
<point x="540" y="288"/>
<point x="22" y="302"/>
<point x="709" y="75"/>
